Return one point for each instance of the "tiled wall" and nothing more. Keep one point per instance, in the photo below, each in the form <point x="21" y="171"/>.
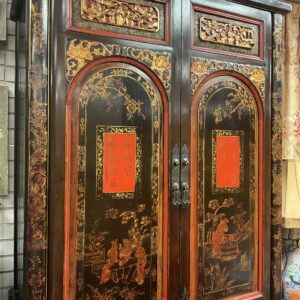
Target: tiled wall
<point x="7" y="77"/>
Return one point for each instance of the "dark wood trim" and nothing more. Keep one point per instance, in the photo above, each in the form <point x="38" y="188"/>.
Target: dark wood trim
<point x="259" y="23"/>
<point x="56" y="150"/>
<point x="274" y="6"/>
<point x="165" y="41"/>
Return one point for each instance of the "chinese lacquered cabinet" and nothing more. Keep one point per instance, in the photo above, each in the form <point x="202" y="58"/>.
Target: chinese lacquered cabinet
<point x="154" y="149"/>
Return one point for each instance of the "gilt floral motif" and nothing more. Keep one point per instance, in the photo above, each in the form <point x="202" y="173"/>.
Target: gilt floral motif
<point x="201" y="68"/>
<point x="81" y="52"/>
<point x="159" y="62"/>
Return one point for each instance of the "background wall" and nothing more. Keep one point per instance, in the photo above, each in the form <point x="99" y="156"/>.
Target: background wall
<point x="7" y="77"/>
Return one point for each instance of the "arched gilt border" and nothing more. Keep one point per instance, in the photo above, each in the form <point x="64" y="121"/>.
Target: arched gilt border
<point x="69" y="273"/>
<point x="257" y="95"/>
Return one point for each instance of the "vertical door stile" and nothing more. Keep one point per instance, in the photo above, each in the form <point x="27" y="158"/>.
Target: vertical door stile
<point x="225" y="92"/>
<point x="175" y="110"/>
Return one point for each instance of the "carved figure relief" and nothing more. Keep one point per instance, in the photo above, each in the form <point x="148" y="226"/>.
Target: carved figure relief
<point x="140" y="20"/>
<point x="226" y="33"/>
<point x="121" y="13"/>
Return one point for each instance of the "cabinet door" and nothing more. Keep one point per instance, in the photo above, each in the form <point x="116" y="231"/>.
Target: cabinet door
<point x="121" y="120"/>
<point x="225" y="121"/>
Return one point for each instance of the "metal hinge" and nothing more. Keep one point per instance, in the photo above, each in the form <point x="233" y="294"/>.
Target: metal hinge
<point x="180" y="176"/>
<point x="185" y="175"/>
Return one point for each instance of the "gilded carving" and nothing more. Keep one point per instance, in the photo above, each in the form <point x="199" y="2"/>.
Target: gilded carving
<point x="81" y="52"/>
<point x="38" y="30"/>
<point x="121" y="13"/>
<point x="226" y="33"/>
<point x="159" y="62"/>
<point x="201" y="68"/>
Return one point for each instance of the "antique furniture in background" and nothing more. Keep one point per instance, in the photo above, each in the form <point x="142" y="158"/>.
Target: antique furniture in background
<point x="154" y="149"/>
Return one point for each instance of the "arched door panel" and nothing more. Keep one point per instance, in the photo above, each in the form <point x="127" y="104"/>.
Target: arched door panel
<point x="226" y="198"/>
<point x="116" y="191"/>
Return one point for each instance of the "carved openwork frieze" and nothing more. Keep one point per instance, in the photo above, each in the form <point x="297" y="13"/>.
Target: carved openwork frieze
<point x="226" y="33"/>
<point x="121" y="13"/>
<point x="140" y="20"/>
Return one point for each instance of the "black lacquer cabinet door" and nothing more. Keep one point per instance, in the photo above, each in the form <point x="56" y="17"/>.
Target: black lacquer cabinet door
<point x="115" y="79"/>
<point x="224" y="122"/>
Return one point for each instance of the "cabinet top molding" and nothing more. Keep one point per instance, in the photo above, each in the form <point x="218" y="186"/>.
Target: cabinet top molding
<point x="275" y="6"/>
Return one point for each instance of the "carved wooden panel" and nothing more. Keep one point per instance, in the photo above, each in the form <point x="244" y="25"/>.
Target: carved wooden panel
<point x="121" y="13"/>
<point x="117" y="132"/>
<point x="139" y="20"/>
<point x="226" y="33"/>
<point x="226" y="193"/>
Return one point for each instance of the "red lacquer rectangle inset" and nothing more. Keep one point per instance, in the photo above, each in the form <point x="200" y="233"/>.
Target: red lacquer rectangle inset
<point x="228" y="162"/>
<point x="119" y="162"/>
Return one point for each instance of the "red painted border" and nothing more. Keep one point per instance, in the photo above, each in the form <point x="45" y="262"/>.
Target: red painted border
<point x="70" y="274"/>
<point x="194" y="186"/>
<point x="236" y="17"/>
<point x="166" y="41"/>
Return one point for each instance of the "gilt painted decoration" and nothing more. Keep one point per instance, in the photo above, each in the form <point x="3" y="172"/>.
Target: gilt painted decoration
<point x="35" y="262"/>
<point x="227" y="194"/>
<point x="277" y="135"/>
<point x="82" y="52"/>
<point x="119" y="131"/>
<point x="202" y="67"/>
